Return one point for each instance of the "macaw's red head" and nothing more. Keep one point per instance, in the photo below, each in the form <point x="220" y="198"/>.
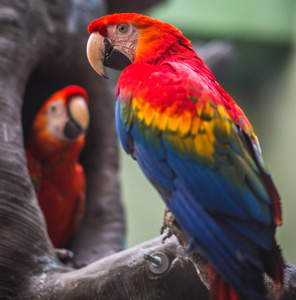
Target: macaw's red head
<point x="121" y="39"/>
<point x="62" y="120"/>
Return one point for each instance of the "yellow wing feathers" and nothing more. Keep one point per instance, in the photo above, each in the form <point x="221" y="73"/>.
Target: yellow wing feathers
<point x="202" y="133"/>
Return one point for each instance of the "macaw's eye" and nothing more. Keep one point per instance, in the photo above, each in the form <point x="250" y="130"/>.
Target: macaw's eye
<point x="123" y="28"/>
<point x="53" y="108"/>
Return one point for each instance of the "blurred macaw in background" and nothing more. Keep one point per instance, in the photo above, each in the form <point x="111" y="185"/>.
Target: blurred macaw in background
<point x="197" y="148"/>
<point x="52" y="150"/>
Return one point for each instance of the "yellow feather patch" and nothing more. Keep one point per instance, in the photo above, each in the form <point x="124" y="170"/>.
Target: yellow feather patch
<point x="149" y="115"/>
<point x="174" y="122"/>
<point x="185" y="124"/>
<point x="155" y="123"/>
<point x="222" y="129"/>
<point x="163" y="121"/>
<point x="135" y="105"/>
<point x="195" y="125"/>
<point x="204" y="147"/>
<point x="223" y="112"/>
<point x="143" y="112"/>
<point x="205" y="111"/>
<point x="205" y="136"/>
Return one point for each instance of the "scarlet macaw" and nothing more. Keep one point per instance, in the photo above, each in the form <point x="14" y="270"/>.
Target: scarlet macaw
<point x="52" y="150"/>
<point x="196" y="146"/>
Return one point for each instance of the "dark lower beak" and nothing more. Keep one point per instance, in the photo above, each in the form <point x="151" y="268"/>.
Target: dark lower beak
<point x="72" y="129"/>
<point x="113" y="58"/>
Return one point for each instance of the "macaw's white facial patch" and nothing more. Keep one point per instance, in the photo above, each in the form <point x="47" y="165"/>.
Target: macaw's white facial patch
<point x="56" y="119"/>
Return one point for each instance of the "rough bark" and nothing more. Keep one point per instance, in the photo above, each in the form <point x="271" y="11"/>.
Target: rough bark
<point x="126" y="275"/>
<point x="58" y="40"/>
<point x="42" y="49"/>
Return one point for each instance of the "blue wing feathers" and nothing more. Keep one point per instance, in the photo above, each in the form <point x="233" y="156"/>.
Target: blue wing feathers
<point x="181" y="182"/>
<point x="155" y="170"/>
<point x="218" y="200"/>
<point x="125" y="138"/>
<point x="222" y="195"/>
<point x="209" y="237"/>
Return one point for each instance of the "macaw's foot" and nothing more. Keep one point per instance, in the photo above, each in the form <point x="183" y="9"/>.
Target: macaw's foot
<point x="167" y="235"/>
<point x="169" y="222"/>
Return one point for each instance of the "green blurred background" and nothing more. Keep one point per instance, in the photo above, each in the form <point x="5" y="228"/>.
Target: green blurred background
<point x="262" y="79"/>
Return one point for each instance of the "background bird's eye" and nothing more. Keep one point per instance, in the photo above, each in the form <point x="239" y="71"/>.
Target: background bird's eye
<point x="53" y="108"/>
<point x="122" y="28"/>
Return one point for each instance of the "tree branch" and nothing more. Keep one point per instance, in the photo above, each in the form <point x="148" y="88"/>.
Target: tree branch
<point x="126" y="275"/>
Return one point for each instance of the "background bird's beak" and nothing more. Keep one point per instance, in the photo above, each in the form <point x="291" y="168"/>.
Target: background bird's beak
<point x="101" y="53"/>
<point x="78" y="118"/>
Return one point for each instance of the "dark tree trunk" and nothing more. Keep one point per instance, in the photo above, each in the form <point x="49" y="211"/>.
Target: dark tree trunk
<point x="42" y="49"/>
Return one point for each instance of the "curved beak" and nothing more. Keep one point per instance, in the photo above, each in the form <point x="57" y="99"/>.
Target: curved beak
<point x="78" y="118"/>
<point x="101" y="53"/>
<point x="95" y="51"/>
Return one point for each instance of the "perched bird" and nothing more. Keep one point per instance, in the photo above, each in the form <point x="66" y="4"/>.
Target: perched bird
<point x="196" y="146"/>
<point x="52" y="149"/>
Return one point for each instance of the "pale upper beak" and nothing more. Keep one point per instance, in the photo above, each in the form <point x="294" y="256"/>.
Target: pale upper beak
<point x="95" y="52"/>
<point x="78" y="115"/>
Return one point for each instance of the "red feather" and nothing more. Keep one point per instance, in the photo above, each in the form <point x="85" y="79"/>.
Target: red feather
<point x="219" y="289"/>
